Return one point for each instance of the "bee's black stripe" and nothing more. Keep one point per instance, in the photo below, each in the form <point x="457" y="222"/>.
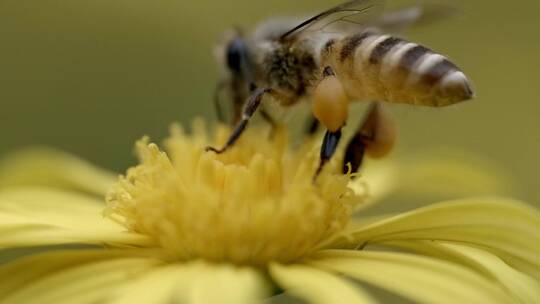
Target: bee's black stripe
<point x="436" y="73"/>
<point x="383" y="48"/>
<point x="412" y="56"/>
<point x="350" y="44"/>
<point x="328" y="46"/>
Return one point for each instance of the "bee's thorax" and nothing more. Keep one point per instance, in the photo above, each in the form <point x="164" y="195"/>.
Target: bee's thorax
<point x="289" y="71"/>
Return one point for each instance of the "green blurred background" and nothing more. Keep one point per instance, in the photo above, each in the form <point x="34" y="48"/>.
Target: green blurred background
<point x="91" y="77"/>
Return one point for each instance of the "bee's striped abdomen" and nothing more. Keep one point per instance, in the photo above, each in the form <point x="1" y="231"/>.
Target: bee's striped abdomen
<point x="382" y="67"/>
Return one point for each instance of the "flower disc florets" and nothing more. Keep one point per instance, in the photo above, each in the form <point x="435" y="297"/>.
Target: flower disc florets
<point x="253" y="204"/>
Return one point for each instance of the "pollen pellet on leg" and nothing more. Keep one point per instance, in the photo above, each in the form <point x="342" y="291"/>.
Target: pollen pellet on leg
<point x="330" y="103"/>
<point x="384" y="130"/>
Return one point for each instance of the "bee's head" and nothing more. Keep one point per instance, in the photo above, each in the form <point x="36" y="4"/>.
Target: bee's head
<point x="236" y="55"/>
<point x="237" y="58"/>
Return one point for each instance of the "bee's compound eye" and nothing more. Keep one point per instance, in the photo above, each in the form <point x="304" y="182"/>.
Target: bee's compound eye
<point x="330" y="103"/>
<point x="235" y="51"/>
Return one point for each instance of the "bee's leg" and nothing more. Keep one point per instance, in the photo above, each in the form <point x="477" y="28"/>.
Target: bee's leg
<point x="330" y="106"/>
<point x="375" y="137"/>
<point x="328" y="148"/>
<point x="217" y="93"/>
<point x="238" y="106"/>
<point x="312" y="126"/>
<point x="252" y="104"/>
<point x="270" y="120"/>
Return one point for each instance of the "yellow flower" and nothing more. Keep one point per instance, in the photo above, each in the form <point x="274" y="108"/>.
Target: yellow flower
<point x="188" y="226"/>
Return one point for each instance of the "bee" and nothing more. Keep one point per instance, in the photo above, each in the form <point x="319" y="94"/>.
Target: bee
<point x="341" y="55"/>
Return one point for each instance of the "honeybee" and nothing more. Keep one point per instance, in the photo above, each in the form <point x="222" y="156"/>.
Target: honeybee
<point x="340" y="55"/>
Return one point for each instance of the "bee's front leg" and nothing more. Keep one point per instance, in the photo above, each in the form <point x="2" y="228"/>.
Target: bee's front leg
<point x="270" y="120"/>
<point x="375" y="137"/>
<point x="220" y="86"/>
<point x="251" y="106"/>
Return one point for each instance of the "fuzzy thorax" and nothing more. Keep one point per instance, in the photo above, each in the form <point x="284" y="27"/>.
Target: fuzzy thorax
<point x="254" y="204"/>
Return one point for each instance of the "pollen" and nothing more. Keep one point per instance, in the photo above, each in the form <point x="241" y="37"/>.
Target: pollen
<point x="330" y="103"/>
<point x="253" y="204"/>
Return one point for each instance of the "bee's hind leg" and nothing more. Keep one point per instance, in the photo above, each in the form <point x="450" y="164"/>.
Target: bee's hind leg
<point x="328" y="148"/>
<point x="251" y="106"/>
<point x="330" y="107"/>
<point x="375" y="137"/>
<point x="312" y="126"/>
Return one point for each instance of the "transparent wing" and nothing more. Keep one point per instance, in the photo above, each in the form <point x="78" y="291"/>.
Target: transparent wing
<point x="353" y="14"/>
<point x="414" y="15"/>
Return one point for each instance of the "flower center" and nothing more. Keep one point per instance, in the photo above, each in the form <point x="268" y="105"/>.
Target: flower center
<point x="253" y="204"/>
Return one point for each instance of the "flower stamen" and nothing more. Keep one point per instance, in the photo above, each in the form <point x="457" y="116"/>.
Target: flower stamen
<point x="252" y="205"/>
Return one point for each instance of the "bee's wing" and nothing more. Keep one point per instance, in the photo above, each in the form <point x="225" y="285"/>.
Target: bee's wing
<point x="415" y="15"/>
<point x="353" y="13"/>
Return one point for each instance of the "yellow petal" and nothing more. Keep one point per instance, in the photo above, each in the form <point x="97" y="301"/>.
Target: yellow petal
<point x="41" y="216"/>
<point x="507" y="228"/>
<point x="523" y="287"/>
<point x="54" y="168"/>
<point x="317" y="286"/>
<point x="379" y="179"/>
<point x="455" y="173"/>
<point x="229" y="285"/>
<point x="421" y="279"/>
<point x="157" y="286"/>
<point x="440" y="174"/>
<point x="196" y="283"/>
<point x="71" y="276"/>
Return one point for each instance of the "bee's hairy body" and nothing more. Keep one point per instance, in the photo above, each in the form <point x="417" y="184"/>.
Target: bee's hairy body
<point x="369" y="64"/>
<point x="290" y="71"/>
<point x="335" y="57"/>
